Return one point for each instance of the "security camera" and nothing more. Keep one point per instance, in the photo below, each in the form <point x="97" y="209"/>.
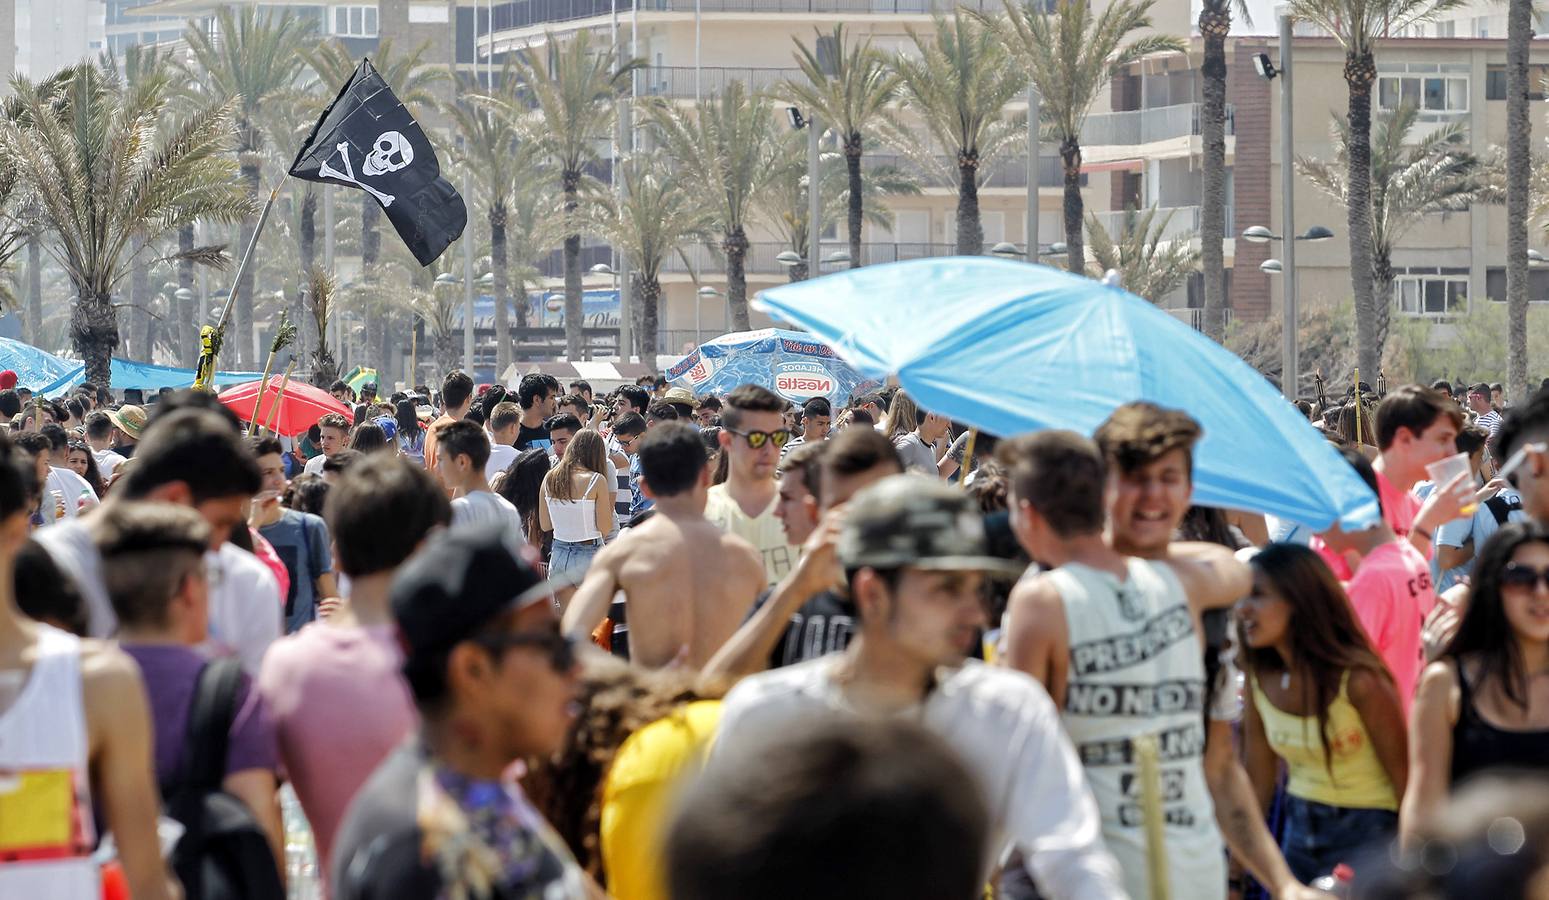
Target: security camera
<point x="1264" y="66"/>
<point x="797" y="121"/>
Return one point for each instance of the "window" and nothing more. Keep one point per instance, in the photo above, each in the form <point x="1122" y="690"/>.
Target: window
<point x="1446" y="29"/>
<point x="1429" y="93"/>
<point x="355" y="21"/>
<point x="1431" y="295"/>
<point x="1537" y="285"/>
<point x="1495" y="82"/>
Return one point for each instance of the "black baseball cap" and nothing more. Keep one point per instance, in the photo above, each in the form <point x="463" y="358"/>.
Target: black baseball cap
<point x="462" y="580"/>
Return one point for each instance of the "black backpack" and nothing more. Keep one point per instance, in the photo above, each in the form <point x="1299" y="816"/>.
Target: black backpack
<point x="1502" y="508"/>
<point x="223" y="854"/>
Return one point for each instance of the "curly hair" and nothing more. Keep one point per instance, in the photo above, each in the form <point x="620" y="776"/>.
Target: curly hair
<point x="617" y="700"/>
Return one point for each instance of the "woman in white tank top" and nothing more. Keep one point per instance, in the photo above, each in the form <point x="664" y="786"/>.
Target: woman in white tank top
<point x="577" y="504"/>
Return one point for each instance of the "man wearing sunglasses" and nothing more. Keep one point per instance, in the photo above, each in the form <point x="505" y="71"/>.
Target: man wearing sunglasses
<point x="752" y="433"/>
<point x="494" y="682"/>
<point x="1526" y="429"/>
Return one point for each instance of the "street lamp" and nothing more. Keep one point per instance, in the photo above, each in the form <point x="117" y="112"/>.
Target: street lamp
<point x="1258" y="234"/>
<point x="1290" y="365"/>
<point x="699" y="298"/>
<point x="788" y="258"/>
<point x="838" y="256"/>
<point x="626" y="352"/>
<point x="1537" y="258"/>
<point x="1271" y="267"/>
<point x="1005" y="250"/>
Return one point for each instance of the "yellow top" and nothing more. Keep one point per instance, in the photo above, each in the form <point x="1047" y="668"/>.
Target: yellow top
<point x="638" y="793"/>
<point x="764" y="532"/>
<point x="1358" y="781"/>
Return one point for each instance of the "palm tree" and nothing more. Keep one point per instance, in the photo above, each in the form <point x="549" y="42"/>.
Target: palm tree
<point x="728" y="147"/>
<point x="782" y="205"/>
<point x="1149" y="262"/>
<point x="250" y="57"/>
<point x="1071" y="54"/>
<point x="1215" y="23"/>
<point x="659" y="211"/>
<point x="494" y="151"/>
<point x="101" y="174"/>
<point x="958" y="85"/>
<point x="851" y="98"/>
<point x="1519" y="136"/>
<point x="574" y="85"/>
<point x="1410" y="180"/>
<point x="1356" y="24"/>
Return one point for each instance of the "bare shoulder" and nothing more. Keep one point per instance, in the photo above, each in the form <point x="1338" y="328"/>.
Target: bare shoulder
<point x="1366" y="685"/>
<point x="110" y="685"/>
<point x="1036" y="593"/>
<point x="1440" y="678"/>
<point x="103" y="663"/>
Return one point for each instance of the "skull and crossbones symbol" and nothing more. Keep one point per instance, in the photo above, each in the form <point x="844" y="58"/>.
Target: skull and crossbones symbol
<point x="390" y="152"/>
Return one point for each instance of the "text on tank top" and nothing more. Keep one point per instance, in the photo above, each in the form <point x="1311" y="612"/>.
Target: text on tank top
<point x="46" y="831"/>
<point x="1136" y="667"/>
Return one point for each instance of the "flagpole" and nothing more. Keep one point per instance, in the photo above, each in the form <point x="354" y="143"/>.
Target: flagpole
<point x="211" y="337"/>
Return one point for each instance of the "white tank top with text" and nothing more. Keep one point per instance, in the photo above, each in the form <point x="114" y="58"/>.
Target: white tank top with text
<point x="1137" y="667"/>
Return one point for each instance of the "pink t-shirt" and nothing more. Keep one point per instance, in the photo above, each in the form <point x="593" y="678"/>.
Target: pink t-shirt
<point x="1399" y="509"/>
<point x="1392" y="594"/>
<point x="339" y="705"/>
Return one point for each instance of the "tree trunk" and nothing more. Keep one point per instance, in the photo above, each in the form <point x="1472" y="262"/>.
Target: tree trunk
<point x="138" y="346"/>
<point x="1360" y="72"/>
<point x="1519" y="133"/>
<point x="1214" y="23"/>
<point x="970" y="232"/>
<point x="306" y="326"/>
<point x="735" y="245"/>
<point x="852" y="161"/>
<point x="1075" y="210"/>
<point x="243" y="337"/>
<point x="650" y="310"/>
<point x="187" y="331"/>
<point x="497" y="252"/>
<point x="34" y="315"/>
<point x="570" y="183"/>
<point x="94" y="334"/>
<point x="1382" y="296"/>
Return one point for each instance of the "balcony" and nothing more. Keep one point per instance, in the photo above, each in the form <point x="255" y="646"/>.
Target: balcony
<point x="678" y="81"/>
<point x="709" y="261"/>
<point x="1143" y="126"/>
<point x="526" y="13"/>
<point x="1184" y="221"/>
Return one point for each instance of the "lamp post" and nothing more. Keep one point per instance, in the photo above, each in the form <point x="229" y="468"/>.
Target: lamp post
<point x="626" y="352"/>
<point x="1032" y="172"/>
<point x="1290" y="365"/>
<point x="699" y="297"/>
<point x="468" y="286"/>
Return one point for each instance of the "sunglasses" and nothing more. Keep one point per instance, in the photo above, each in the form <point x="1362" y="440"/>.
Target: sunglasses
<point x="559" y="647"/>
<point x="757" y="439"/>
<point x="1509" y="470"/>
<point x="1514" y="575"/>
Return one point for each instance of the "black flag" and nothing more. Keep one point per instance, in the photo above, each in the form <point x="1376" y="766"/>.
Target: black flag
<point x="367" y="139"/>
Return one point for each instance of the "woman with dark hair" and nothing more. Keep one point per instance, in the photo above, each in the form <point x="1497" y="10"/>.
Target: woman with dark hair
<point x="410" y="438"/>
<point x="522" y="484"/>
<point x="1321" y="700"/>
<point x="367" y="437"/>
<point x="1485" y="703"/>
<point x="84" y="463"/>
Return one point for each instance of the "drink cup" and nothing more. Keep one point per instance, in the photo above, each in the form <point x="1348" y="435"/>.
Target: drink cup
<point x="1443" y="471"/>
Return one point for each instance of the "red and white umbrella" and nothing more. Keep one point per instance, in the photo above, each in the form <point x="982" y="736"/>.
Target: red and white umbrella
<point x="300" y="408"/>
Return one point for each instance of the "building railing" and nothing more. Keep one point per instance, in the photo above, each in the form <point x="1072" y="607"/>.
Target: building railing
<point x="1003" y="173"/>
<point x="524" y="13"/>
<point x="1142" y="126"/>
<point x="1181" y="220"/>
<point x="678" y="81"/>
<point x="1195" y="317"/>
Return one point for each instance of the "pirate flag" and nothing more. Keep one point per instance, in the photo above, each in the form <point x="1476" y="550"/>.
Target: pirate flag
<point x="367" y="139"/>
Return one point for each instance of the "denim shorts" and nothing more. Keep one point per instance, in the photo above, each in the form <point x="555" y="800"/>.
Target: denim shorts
<point x="566" y="556"/>
<point x="1319" y="837"/>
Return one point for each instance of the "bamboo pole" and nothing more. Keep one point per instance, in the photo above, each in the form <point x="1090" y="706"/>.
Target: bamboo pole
<point x="274" y="417"/>
<point x="1359" y="434"/>
<point x="283" y="336"/>
<point x="968" y="456"/>
<point x="212" y="336"/>
<point x="1147" y="757"/>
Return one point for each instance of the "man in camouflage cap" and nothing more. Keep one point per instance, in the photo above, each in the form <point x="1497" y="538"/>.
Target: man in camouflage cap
<point x="913" y="551"/>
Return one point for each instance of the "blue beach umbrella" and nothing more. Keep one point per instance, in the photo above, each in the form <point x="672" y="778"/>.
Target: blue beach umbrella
<point x="34" y="368"/>
<point x="1011" y="347"/>
<point x="794" y="365"/>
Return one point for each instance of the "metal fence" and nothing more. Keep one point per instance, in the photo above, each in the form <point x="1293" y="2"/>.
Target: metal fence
<point x="1004" y="173"/>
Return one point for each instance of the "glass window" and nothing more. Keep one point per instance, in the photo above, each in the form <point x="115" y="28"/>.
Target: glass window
<point x="1435" y="93"/>
<point x="1387" y="93"/>
<point x="356" y="14"/>
<point x="1409" y="91"/>
<point x="341" y="21"/>
<point x="370" y="21"/>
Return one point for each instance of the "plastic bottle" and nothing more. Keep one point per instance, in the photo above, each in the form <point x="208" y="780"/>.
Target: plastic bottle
<point x="1338" y="883"/>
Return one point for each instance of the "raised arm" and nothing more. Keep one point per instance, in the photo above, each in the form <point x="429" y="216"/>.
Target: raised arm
<point x="749" y="649"/>
<point x="1211" y="575"/>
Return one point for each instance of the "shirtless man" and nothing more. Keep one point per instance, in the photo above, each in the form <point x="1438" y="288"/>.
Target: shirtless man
<point x="48" y="679"/>
<point x="687" y="584"/>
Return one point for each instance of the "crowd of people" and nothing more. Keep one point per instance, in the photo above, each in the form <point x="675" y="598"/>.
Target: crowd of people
<point x="545" y="642"/>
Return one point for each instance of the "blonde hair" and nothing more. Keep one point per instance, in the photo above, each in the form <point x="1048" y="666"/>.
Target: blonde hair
<point x="586" y="453"/>
<point x="903" y="416"/>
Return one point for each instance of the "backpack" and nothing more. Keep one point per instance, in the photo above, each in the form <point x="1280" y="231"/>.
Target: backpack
<point x="223" y="853"/>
